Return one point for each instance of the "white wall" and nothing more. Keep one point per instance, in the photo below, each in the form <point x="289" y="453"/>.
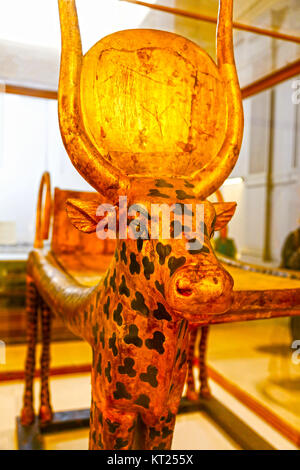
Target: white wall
<point x="31" y="144"/>
<point x="255" y="59"/>
<point x="30" y="35"/>
<point x="248" y="225"/>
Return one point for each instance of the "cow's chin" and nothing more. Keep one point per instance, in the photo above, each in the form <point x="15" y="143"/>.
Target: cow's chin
<point x="198" y="312"/>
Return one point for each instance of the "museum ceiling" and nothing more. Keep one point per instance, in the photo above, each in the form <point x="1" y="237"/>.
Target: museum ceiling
<point x="248" y="11"/>
<point x="30" y="40"/>
<point x="256" y="55"/>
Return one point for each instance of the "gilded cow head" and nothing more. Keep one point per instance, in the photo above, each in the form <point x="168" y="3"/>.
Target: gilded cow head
<point x="148" y="115"/>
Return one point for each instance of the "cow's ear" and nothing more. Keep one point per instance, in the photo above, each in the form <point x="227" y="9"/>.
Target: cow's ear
<point x="82" y="214"/>
<point x="224" y="213"/>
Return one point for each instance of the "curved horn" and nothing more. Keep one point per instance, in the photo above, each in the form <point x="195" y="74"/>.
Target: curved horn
<point x="211" y="177"/>
<point x="84" y="156"/>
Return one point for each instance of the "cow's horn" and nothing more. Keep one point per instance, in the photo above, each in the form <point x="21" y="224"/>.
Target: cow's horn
<point x="93" y="166"/>
<point x="211" y="177"/>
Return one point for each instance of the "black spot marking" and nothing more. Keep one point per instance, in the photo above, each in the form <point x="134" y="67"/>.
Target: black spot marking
<point x="123" y="289"/>
<point x="121" y="392"/>
<point x="117" y="314"/>
<point x="100" y="443"/>
<point x="139" y="305"/>
<point x="85" y="316"/>
<point x="94" y="437"/>
<point x="161" y="446"/>
<point x="112" y="344"/>
<point x="120" y="443"/>
<point x="112" y="281"/>
<point x="148" y="267"/>
<point x="101" y="418"/>
<point x="177" y="355"/>
<point x="106" y="278"/>
<point x="156" y="342"/>
<point x="106" y="307"/>
<point x="133" y="337"/>
<point x="112" y="427"/>
<point x="195" y="247"/>
<point x="161" y="313"/>
<point x="166" y="432"/>
<point x="132" y="427"/>
<point x="205" y="230"/>
<point x="139" y="227"/>
<point x="127" y="368"/>
<point x="101" y="338"/>
<point x="163" y="251"/>
<point x="183" y="195"/>
<point x="150" y="376"/>
<point x="107" y="372"/>
<point x="134" y="265"/>
<point x="160" y="288"/>
<point x="97" y="298"/>
<point x="141" y="211"/>
<point x="186" y="229"/>
<point x="170" y="417"/>
<point x="99" y="365"/>
<point x="157" y="193"/>
<point x="187" y="184"/>
<point x="95" y="330"/>
<point x="181" y="327"/>
<point x="139" y="244"/>
<point x="181" y="208"/>
<point x="153" y="433"/>
<point x="175" y="263"/>
<point x="177" y="229"/>
<point x="183" y="359"/>
<point x="123" y="253"/>
<point x="117" y="255"/>
<point x="143" y="400"/>
<point x="161" y="183"/>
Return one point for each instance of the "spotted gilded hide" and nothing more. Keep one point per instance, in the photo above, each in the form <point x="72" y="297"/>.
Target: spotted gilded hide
<point x="137" y="319"/>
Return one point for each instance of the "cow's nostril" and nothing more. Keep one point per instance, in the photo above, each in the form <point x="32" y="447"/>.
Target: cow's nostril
<point x="184" y="290"/>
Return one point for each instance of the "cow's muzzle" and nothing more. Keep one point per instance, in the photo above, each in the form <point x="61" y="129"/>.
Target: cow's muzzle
<point x="194" y="292"/>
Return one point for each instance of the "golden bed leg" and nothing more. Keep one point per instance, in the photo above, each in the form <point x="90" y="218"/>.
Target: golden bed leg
<point x="203" y="376"/>
<point x="45" y="413"/>
<point x="32" y="306"/>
